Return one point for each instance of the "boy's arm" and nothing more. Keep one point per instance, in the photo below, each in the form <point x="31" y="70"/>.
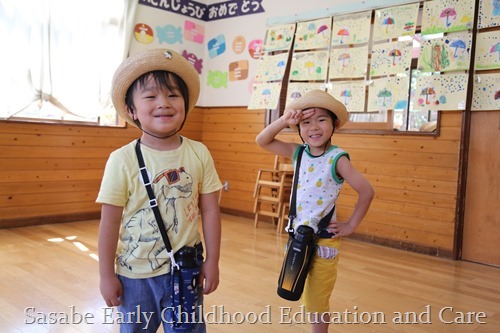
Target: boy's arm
<point x="210" y="216"/>
<point x="109" y="228"/>
<point x="365" y="196"/>
<point x="267" y="137"/>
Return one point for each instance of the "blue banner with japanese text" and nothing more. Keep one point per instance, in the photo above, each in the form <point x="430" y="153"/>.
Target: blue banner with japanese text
<point x="217" y="11"/>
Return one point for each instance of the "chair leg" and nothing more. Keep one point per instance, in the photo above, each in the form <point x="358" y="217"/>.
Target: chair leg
<point x="283" y="216"/>
<point x="256" y="221"/>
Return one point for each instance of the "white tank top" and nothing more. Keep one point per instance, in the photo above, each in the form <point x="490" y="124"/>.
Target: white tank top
<point x="318" y="187"/>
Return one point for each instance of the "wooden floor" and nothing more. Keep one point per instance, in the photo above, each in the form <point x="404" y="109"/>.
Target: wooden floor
<point x="53" y="269"/>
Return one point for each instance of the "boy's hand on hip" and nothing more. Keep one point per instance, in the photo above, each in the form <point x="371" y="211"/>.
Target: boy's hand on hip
<point x="341" y="229"/>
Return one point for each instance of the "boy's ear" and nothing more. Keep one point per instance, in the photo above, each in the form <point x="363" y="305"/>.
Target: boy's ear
<point x="336" y="124"/>
<point x="131" y="113"/>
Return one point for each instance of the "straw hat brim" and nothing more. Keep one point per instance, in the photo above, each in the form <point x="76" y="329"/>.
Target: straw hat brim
<point x="320" y="99"/>
<point x="428" y="127"/>
<point x="147" y="61"/>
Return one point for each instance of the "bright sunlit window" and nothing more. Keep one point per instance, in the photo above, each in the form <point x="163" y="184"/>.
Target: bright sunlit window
<point x="58" y="58"/>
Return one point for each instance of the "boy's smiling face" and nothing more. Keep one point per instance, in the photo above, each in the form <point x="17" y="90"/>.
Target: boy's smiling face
<point x="317" y="129"/>
<point x="160" y="111"/>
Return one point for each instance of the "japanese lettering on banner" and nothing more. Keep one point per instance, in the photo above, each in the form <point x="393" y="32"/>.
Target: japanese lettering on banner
<point x="198" y="10"/>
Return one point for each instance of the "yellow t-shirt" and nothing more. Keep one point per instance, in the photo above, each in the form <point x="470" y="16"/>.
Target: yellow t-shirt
<point x="178" y="177"/>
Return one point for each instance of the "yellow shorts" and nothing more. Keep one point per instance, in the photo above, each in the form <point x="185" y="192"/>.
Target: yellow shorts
<point x="321" y="278"/>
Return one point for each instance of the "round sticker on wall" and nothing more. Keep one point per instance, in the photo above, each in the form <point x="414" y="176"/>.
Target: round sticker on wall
<point x="255" y="48"/>
<point x="239" y="44"/>
<point x="143" y="33"/>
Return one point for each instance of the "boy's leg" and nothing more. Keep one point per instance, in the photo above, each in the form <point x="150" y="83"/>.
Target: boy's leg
<point x="139" y="305"/>
<point x="320" y="283"/>
<point x="320" y="322"/>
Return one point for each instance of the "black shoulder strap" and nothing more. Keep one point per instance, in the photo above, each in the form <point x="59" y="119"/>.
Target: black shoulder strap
<point x="153" y="203"/>
<point x="293" y="202"/>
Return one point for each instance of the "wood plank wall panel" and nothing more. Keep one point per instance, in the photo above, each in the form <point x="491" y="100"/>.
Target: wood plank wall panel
<point x="53" y="172"/>
<point x="230" y="133"/>
<point x="415" y="177"/>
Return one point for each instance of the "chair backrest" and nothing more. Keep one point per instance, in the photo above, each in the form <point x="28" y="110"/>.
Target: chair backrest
<point x="282" y="163"/>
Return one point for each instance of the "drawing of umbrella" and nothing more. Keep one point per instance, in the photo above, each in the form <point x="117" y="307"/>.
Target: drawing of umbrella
<point x="342" y="33"/>
<point x="458" y="44"/>
<point x="347" y="96"/>
<point x="401" y="105"/>
<point x="309" y="65"/>
<point x="322" y="29"/>
<point x="496" y="48"/>
<point x="467" y="20"/>
<point x="409" y="26"/>
<point x="447" y="13"/>
<point x="427" y="92"/>
<point x="384" y="93"/>
<point x="295" y="95"/>
<point x="387" y="22"/>
<point x="394" y="53"/>
<point x="344" y="57"/>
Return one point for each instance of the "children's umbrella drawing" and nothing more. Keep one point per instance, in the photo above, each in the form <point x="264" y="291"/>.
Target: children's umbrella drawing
<point x="496" y="48"/>
<point x="447" y="14"/>
<point x="409" y="26"/>
<point x="466" y="20"/>
<point x="295" y="95"/>
<point x="347" y="96"/>
<point x="344" y="57"/>
<point x="458" y="44"/>
<point x="394" y="53"/>
<point x="428" y="91"/>
<point x="308" y="65"/>
<point x="401" y="105"/>
<point x="342" y="33"/>
<point x="388" y="21"/>
<point x="384" y="94"/>
<point x="322" y="29"/>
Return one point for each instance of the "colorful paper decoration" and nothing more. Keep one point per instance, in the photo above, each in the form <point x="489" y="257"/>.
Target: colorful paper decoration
<point x="487" y="51"/>
<point x="447" y="16"/>
<point x="351" y="29"/>
<point x="395" y="22"/>
<point x="486" y="95"/>
<point x="441" y="92"/>
<point x="313" y="34"/>
<point x="265" y="96"/>
<point x="309" y="66"/>
<point x="448" y="53"/>
<point x="348" y="62"/>
<point x="391" y="58"/>
<point x="388" y="93"/>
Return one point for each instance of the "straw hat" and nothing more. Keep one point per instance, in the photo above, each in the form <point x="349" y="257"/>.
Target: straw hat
<point x="428" y="126"/>
<point x="320" y="99"/>
<point x="152" y="60"/>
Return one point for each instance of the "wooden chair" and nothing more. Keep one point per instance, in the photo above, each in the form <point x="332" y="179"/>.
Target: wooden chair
<point x="272" y="190"/>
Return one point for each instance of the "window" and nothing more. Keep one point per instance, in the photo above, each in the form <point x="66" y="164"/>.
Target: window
<point x="59" y="57"/>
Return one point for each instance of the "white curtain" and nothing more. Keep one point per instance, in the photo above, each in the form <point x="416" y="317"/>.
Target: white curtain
<point x="59" y="56"/>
